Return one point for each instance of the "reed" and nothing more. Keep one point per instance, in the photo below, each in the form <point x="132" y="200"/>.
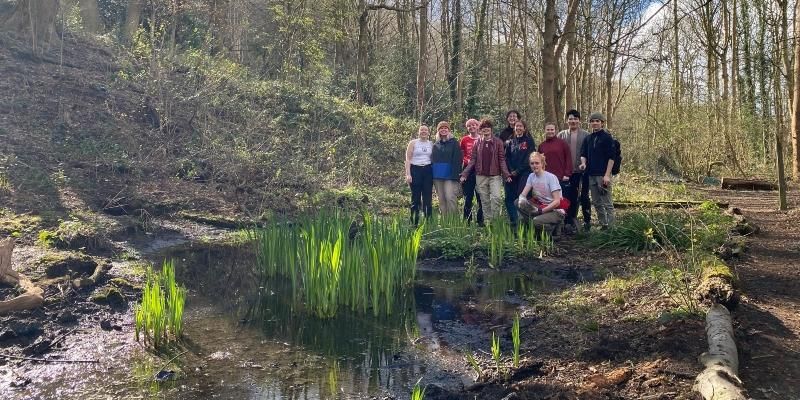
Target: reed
<point x="418" y="393"/>
<point x="159" y="317"/>
<point x="515" y="339"/>
<point x="336" y="260"/>
<point x="496" y="350"/>
<point x="500" y="236"/>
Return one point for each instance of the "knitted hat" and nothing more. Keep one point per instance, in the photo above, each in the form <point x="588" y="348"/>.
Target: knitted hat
<point x="597" y="115"/>
<point x="442" y="124"/>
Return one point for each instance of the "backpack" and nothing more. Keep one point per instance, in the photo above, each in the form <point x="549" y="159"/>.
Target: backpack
<point x="616" y="151"/>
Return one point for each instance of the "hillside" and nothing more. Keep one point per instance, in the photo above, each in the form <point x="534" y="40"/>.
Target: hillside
<point x="83" y="130"/>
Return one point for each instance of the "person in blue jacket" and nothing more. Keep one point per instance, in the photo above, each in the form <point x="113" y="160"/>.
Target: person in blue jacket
<point x="446" y="161"/>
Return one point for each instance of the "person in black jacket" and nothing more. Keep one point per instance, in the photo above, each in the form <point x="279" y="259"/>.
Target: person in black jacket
<point x="597" y="161"/>
<point x="518" y="149"/>
<point x="446" y="163"/>
<point x="508" y="132"/>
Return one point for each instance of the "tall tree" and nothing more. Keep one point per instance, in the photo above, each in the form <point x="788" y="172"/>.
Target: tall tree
<point x="422" y="61"/>
<point x="553" y="44"/>
<point x="796" y="102"/>
<point x="477" y="60"/>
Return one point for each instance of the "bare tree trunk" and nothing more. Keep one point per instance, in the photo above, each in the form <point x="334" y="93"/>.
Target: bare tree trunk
<point x="552" y="47"/>
<point x="132" y="17"/>
<point x="455" y="63"/>
<point x="90" y="16"/>
<point x="477" y="60"/>
<point x="779" y="135"/>
<point x="422" y="64"/>
<point x="796" y="102"/>
<point x="446" y="43"/>
<point x="35" y="19"/>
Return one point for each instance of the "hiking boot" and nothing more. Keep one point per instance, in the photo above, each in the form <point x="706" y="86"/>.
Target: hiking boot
<point x="587" y="226"/>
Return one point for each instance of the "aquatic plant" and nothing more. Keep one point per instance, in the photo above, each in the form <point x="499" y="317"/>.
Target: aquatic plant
<point x="418" y="393"/>
<point x="159" y="317"/>
<point x="333" y="259"/>
<point x="515" y="339"/>
<point x="496" y="350"/>
<point x="500" y="235"/>
<point x="473" y="363"/>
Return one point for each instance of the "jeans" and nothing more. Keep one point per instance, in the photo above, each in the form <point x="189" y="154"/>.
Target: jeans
<point x="513" y="190"/>
<point x="577" y="189"/>
<point x="421" y="191"/>
<point x="469" y="193"/>
<point x="601" y="198"/>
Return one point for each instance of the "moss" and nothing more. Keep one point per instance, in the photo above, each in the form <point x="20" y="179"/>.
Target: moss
<point x="108" y="295"/>
<point x="122" y="283"/>
<point x="60" y="264"/>
<point x="713" y="267"/>
<point x="18" y="224"/>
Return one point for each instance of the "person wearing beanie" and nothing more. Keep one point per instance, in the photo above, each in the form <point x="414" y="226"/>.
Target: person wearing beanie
<point x="446" y="168"/>
<point x="578" y="186"/>
<point x="597" y="161"/>
<point x="468" y="187"/>
<point x="518" y="148"/>
<point x="488" y="160"/>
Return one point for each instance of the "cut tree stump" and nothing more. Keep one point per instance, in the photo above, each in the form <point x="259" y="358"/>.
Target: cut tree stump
<point x="719" y="380"/>
<point x="747" y="184"/>
<point x="33" y="296"/>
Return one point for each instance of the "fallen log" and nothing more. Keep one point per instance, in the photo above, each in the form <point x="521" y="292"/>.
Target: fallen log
<point x="33" y="295"/>
<point x="717" y="283"/>
<point x="664" y="204"/>
<point x="747" y="184"/>
<point x="719" y="380"/>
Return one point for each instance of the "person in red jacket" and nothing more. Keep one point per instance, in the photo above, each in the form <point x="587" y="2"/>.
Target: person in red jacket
<point x="488" y="160"/>
<point x="557" y="153"/>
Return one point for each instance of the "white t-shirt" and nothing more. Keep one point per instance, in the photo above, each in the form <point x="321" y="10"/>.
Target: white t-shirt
<point x="542" y="187"/>
<point x="421" y="152"/>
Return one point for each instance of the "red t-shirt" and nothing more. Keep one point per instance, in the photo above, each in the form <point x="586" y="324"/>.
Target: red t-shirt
<point x="466" y="144"/>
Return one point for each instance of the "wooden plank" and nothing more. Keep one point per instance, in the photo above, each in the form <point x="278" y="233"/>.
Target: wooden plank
<point x="747" y="184"/>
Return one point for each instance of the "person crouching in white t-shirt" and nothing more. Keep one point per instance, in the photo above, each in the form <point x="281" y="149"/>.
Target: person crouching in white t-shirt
<point x="545" y="207"/>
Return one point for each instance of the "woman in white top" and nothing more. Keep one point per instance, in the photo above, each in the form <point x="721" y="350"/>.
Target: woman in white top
<point x="545" y="207"/>
<point x="419" y="173"/>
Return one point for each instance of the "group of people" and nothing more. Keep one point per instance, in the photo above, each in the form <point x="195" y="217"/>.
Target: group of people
<point x="543" y="185"/>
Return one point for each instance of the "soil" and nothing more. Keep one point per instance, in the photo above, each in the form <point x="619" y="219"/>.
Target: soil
<point x="767" y="321"/>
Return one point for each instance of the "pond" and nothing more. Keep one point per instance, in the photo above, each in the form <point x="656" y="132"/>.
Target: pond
<point x="248" y="339"/>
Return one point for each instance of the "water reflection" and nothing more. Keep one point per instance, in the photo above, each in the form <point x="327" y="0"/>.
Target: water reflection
<point x="289" y="354"/>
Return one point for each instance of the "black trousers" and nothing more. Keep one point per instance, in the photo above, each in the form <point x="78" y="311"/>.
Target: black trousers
<point x="421" y="191"/>
<point x="577" y="189"/>
<point x="468" y="187"/>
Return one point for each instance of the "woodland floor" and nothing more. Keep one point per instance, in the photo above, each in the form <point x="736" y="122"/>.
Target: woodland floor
<point x="767" y="321"/>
